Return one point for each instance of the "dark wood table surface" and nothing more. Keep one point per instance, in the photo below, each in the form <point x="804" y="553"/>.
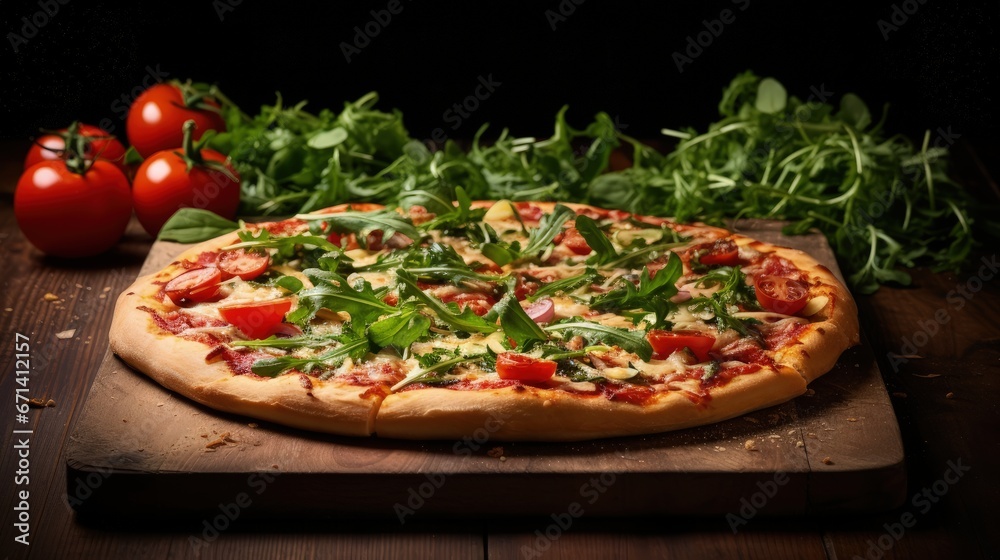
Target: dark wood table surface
<point x="945" y="396"/>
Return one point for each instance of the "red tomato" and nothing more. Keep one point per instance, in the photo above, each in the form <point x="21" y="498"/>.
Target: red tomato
<point x="257" y="320"/>
<point x="164" y="185"/>
<point x="479" y="303"/>
<point x="69" y="214"/>
<point x="781" y="295"/>
<point x="665" y="343"/>
<point x="156" y="118"/>
<point x="200" y="284"/>
<point x="575" y="242"/>
<point x="52" y="147"/>
<point x="723" y="253"/>
<point x="528" y="211"/>
<point x="245" y="264"/>
<point x="511" y="365"/>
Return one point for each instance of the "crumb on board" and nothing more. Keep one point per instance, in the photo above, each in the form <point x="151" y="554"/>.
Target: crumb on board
<point x="719" y="449"/>
<point x="852" y="419"/>
<point x="8" y="309"/>
<point x="252" y="425"/>
<point x="223" y="439"/>
<point x="49" y="296"/>
<point x="751" y="419"/>
<point x="811" y="435"/>
<point x="949" y="395"/>
<point x="810" y="392"/>
<point x="827" y="461"/>
<point x="41" y="403"/>
<point x="496" y="452"/>
<point x="800" y="443"/>
<point x="106" y="289"/>
<point x="68" y="333"/>
<point x="750" y="445"/>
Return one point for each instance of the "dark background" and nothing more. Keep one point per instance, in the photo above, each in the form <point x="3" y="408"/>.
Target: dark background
<point x="939" y="69"/>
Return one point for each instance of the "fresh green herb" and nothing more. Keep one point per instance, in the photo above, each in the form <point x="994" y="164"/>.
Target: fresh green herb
<point x="332" y="292"/>
<point x="517" y="325"/>
<point x="433" y="262"/>
<point x="271" y="367"/>
<point x="400" y="329"/>
<point x="604" y="251"/>
<point x="289" y="283"/>
<point x="539" y="239"/>
<point x="464" y="321"/>
<point x="566" y="285"/>
<point x="630" y="341"/>
<point x="363" y="223"/>
<point x="302" y="341"/>
<point x="652" y="296"/>
<point x="192" y="225"/>
<point x="433" y="373"/>
<point x="734" y="288"/>
<point x="723" y="319"/>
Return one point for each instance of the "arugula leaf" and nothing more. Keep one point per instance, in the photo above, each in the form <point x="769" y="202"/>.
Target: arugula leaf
<point x="271" y="367"/>
<point x="363" y="223"/>
<point x="735" y="290"/>
<point x="652" y="296"/>
<point x="517" y="325"/>
<point x="604" y="251"/>
<point x="436" y="262"/>
<point x="289" y="283"/>
<point x="631" y="341"/>
<point x="566" y="285"/>
<point x="464" y="321"/>
<point x="193" y="225"/>
<point x="302" y="341"/>
<point x="459" y="218"/>
<point x="285" y="245"/>
<point x="400" y="329"/>
<point x="723" y="319"/>
<point x="539" y="239"/>
<point x="333" y="292"/>
<point x="432" y="373"/>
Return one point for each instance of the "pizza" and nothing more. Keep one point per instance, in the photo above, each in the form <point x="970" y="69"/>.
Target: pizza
<point x="538" y="320"/>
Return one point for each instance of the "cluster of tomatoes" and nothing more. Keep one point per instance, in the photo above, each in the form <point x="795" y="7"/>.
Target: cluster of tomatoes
<point x="77" y="180"/>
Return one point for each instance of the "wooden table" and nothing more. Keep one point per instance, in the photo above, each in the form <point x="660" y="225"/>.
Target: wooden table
<point x="945" y="400"/>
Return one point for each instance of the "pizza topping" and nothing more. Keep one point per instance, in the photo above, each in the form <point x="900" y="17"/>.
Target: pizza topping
<point x="542" y="311"/>
<point x="257" y="320"/>
<point x="512" y="365"/>
<point x="781" y="294"/>
<point x="248" y="265"/>
<point x="200" y="284"/>
<point x="665" y="343"/>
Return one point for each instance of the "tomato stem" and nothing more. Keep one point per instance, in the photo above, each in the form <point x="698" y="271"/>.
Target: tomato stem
<point x="75" y="149"/>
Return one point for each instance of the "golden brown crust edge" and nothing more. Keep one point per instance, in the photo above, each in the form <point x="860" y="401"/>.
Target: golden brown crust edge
<point x="179" y="365"/>
<point x="551" y="415"/>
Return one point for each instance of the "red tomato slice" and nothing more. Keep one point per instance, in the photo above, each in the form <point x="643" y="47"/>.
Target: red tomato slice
<point x="575" y="242"/>
<point x="780" y="294"/>
<point x="200" y="284"/>
<point x="245" y="264"/>
<point x="479" y="303"/>
<point x="665" y="343"/>
<point x="511" y="365"/>
<point x="723" y="253"/>
<point x="257" y="320"/>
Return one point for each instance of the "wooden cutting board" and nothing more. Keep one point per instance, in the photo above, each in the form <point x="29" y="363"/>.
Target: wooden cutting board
<point x="140" y="450"/>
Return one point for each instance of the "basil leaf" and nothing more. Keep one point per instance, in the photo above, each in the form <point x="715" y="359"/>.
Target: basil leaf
<point x="193" y="225"/>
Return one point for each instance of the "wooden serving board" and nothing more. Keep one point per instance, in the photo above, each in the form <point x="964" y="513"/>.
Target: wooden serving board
<point x="140" y="450"/>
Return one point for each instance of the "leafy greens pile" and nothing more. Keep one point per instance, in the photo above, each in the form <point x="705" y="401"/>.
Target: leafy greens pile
<point x="880" y="200"/>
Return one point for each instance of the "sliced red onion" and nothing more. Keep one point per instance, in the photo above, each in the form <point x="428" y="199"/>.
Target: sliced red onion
<point x="542" y="311"/>
<point x="287" y="330"/>
<point x="682" y="296"/>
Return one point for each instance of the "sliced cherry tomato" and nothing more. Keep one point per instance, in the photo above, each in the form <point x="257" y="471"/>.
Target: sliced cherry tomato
<point x="528" y="211"/>
<point x="257" y="320"/>
<point x="73" y="213"/>
<point x="780" y="294"/>
<point x="722" y="253"/>
<point x="511" y="365"/>
<point x="100" y="145"/>
<point x="575" y="242"/>
<point x="156" y="117"/>
<point x="200" y="284"/>
<point x="665" y="343"/>
<point x="245" y="264"/>
<point x="479" y="303"/>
